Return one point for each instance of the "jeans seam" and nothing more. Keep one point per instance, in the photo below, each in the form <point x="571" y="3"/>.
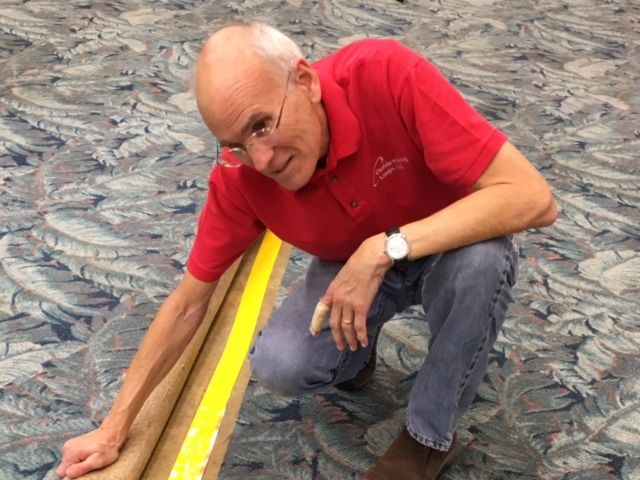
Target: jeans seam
<point x="346" y="353"/>
<point x="481" y="348"/>
<point x="442" y="446"/>
<point x="425" y="274"/>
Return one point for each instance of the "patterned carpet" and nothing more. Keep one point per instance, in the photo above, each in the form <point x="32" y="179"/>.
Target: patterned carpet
<point x="103" y="168"/>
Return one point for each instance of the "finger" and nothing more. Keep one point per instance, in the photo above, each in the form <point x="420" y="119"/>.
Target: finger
<point x="62" y="468"/>
<point x="360" y="324"/>
<point x="348" y="329"/>
<point x="68" y="459"/>
<point x="336" y="327"/>
<point x="92" y="462"/>
<point x="61" y="471"/>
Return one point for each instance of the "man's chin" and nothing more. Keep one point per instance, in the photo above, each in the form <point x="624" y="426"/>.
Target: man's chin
<point x="294" y="182"/>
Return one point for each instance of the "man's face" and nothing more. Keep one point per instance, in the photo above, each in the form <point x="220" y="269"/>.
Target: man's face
<point x="247" y="103"/>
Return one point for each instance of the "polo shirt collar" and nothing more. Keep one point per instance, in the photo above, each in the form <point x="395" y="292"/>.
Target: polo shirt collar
<point x="344" y="128"/>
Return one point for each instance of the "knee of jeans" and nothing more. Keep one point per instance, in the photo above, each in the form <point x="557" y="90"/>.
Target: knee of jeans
<point x="276" y="371"/>
<point x="491" y="260"/>
<point x="477" y="266"/>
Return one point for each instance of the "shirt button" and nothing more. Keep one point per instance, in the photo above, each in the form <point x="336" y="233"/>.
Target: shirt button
<point x="354" y="204"/>
<point x="334" y="179"/>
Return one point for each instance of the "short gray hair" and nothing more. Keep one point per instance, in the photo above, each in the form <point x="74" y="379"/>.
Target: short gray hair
<point x="274" y="47"/>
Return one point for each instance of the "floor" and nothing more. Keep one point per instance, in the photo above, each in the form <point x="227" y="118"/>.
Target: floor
<point x="103" y="169"/>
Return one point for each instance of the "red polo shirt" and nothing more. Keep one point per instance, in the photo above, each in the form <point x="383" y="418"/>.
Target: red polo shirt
<point x="404" y="144"/>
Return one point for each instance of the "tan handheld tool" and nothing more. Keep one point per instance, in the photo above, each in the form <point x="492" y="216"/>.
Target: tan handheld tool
<point x="319" y="316"/>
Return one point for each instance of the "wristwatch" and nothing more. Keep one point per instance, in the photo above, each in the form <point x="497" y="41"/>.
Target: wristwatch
<point x="397" y="247"/>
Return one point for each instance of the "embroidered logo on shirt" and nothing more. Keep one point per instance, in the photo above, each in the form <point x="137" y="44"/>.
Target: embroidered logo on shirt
<point x="383" y="168"/>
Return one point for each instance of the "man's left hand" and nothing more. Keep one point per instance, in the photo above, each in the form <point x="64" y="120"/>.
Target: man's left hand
<point x="351" y="293"/>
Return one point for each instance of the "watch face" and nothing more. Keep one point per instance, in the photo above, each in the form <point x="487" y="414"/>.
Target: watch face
<point x="397" y="247"/>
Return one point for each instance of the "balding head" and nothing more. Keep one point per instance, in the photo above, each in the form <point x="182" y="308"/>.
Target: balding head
<point x="240" y="51"/>
<point x="228" y="48"/>
<point x="252" y="79"/>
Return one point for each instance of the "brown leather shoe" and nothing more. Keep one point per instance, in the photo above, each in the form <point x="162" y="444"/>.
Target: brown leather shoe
<point x="408" y="459"/>
<point x="363" y="377"/>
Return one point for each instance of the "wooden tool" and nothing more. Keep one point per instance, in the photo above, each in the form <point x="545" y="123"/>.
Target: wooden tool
<point x="319" y="316"/>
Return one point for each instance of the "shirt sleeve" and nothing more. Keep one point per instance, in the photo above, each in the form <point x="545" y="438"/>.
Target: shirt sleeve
<point x="226" y="228"/>
<point x="458" y="143"/>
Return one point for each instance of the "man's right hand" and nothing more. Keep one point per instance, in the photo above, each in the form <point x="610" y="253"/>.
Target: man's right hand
<point x="87" y="452"/>
<point x="167" y="337"/>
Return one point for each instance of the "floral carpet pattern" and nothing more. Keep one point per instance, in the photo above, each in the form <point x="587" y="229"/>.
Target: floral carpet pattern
<point x="103" y="169"/>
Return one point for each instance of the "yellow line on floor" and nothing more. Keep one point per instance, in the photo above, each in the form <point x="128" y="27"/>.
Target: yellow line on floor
<point x="199" y="441"/>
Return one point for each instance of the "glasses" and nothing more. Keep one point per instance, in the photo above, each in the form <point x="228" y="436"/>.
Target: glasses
<point x="261" y="131"/>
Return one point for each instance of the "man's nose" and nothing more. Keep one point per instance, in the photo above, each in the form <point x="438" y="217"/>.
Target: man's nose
<point x="261" y="157"/>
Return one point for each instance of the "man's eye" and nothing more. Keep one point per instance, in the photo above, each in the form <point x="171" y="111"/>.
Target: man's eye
<point x="261" y="128"/>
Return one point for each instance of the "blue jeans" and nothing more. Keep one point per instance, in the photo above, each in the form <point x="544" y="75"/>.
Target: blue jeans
<point x="465" y="294"/>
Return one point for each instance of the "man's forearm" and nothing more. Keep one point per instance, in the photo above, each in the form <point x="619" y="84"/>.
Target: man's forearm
<point x="510" y="197"/>
<point x="479" y="217"/>
<point x="167" y="337"/>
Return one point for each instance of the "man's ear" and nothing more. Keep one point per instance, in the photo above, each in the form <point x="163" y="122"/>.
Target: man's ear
<point x="306" y="78"/>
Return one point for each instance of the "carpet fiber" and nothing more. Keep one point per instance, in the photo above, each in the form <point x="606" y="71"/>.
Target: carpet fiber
<point x="103" y="168"/>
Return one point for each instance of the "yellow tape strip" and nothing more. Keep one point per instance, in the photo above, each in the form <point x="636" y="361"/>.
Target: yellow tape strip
<point x="198" y="443"/>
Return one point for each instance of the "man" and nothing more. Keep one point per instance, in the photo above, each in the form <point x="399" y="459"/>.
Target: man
<point x="373" y="163"/>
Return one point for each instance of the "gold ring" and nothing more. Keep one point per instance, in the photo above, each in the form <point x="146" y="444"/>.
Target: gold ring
<point x="347" y="322"/>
